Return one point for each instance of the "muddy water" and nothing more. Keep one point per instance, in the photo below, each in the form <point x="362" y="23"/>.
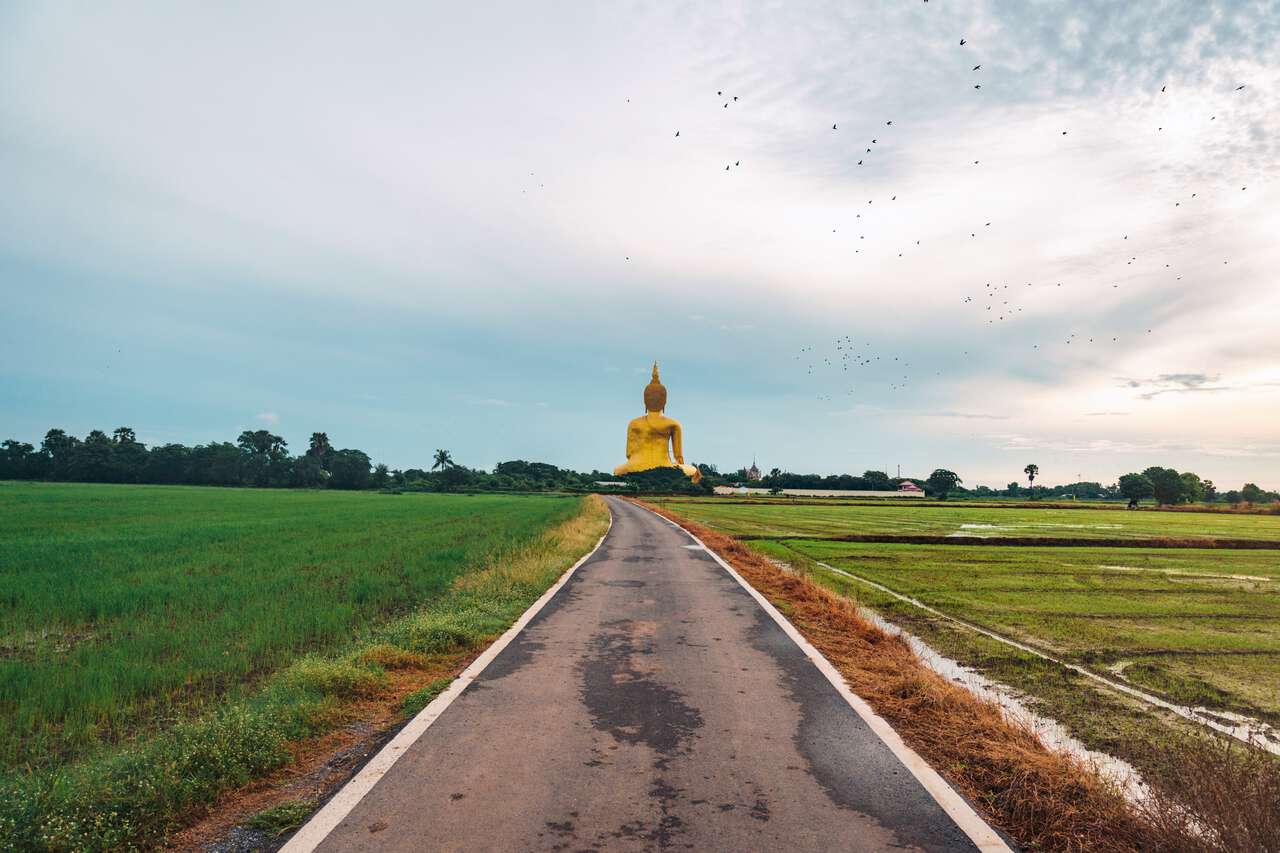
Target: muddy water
<point x="1051" y="733"/>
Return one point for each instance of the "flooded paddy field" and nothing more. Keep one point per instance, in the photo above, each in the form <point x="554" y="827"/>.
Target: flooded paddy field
<point x="819" y="519"/>
<point x="1120" y="642"/>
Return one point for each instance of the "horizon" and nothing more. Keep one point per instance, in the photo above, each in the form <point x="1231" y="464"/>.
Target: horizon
<point x="475" y="230"/>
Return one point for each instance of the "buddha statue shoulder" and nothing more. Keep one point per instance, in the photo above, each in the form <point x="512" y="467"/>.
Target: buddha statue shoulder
<point x="653" y="438"/>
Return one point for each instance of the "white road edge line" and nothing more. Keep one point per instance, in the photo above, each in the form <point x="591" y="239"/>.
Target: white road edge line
<point x="316" y="830"/>
<point x="957" y="808"/>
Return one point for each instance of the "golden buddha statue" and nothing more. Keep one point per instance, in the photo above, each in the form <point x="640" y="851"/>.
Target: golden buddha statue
<point x="650" y="435"/>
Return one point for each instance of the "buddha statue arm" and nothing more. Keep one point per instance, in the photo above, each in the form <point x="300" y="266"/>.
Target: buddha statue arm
<point x="631" y="443"/>
<point x="677" y="447"/>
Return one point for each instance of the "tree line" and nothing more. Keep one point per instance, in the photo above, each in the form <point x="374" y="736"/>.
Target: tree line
<point x="1165" y="485"/>
<point x="262" y="459"/>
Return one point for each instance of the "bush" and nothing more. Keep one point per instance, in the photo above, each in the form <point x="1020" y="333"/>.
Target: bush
<point x="662" y="480"/>
<point x="340" y="678"/>
<point x="282" y="817"/>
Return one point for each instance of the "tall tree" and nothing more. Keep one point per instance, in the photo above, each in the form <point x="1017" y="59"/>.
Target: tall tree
<point x="941" y="482"/>
<point x="1031" y="471"/>
<point x="57" y="449"/>
<point x="18" y="461"/>
<point x="1166" y="483"/>
<point x="443" y="462"/>
<point x="320" y="448"/>
<point x="1190" y="488"/>
<point x="129" y="458"/>
<point x="169" y="463"/>
<point x="266" y="458"/>
<point x="878" y="481"/>
<point x="1136" y="487"/>
<point x="349" y="469"/>
<point x="92" y="460"/>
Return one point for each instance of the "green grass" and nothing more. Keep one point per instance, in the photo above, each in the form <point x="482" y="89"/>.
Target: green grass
<point x="282" y="817"/>
<point x="833" y="518"/>
<point x="419" y="699"/>
<point x="125" y="607"/>
<point x="502" y="553"/>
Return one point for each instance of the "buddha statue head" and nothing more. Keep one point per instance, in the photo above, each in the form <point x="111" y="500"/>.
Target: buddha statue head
<point x="655" y="393"/>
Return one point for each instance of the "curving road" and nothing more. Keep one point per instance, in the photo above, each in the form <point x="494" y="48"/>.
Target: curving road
<point x="652" y="704"/>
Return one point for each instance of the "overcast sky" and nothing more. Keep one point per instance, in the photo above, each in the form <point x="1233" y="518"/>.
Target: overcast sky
<point x="472" y="226"/>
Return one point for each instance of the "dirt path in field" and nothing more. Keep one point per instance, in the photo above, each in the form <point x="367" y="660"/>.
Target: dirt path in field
<point x="653" y="703"/>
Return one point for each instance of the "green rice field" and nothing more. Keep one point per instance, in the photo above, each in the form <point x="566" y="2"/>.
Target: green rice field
<point x="1200" y="627"/>
<point x="126" y="608"/>
<point x="835" y="518"/>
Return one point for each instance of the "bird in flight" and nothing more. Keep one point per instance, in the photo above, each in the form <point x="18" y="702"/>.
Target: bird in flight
<point x="976" y="67"/>
<point x="833" y="127"/>
<point x="677" y="133"/>
<point x="962" y="42"/>
<point x="1238" y="88"/>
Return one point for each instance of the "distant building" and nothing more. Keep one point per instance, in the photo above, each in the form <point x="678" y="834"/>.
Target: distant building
<point x="818" y="493"/>
<point x="907" y="487"/>
<point x="753" y="473"/>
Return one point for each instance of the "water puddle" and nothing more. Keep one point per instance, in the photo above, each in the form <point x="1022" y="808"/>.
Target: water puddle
<point x="1244" y="729"/>
<point x="1045" y="525"/>
<point x="1012" y="702"/>
<point x="1177" y="573"/>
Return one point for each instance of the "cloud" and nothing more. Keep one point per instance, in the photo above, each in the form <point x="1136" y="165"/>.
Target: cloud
<point x="1018" y="442"/>
<point x="268" y="418"/>
<point x="1191" y="383"/>
<point x="377" y="244"/>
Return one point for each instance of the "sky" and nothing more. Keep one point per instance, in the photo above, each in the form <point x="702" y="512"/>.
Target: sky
<point x="474" y="227"/>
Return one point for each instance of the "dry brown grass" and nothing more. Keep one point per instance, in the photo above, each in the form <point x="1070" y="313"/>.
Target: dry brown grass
<point x="534" y="563"/>
<point x="1043" y="799"/>
<point x="1212" y="795"/>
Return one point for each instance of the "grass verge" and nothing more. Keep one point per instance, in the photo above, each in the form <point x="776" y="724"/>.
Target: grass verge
<point x="129" y="796"/>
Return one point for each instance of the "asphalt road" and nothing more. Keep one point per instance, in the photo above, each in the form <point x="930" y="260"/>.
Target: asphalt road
<point x="652" y="704"/>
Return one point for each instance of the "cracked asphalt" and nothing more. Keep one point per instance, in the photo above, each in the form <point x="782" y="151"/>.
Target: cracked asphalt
<point x="651" y="705"/>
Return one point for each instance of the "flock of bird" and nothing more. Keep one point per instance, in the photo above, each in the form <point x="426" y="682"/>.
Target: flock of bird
<point x="997" y="303"/>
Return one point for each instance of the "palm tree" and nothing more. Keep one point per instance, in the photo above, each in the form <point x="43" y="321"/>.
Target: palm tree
<point x="1031" y="471"/>
<point x="443" y="460"/>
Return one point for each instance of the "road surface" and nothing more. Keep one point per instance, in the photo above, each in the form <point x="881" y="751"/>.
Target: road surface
<point x="652" y="704"/>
